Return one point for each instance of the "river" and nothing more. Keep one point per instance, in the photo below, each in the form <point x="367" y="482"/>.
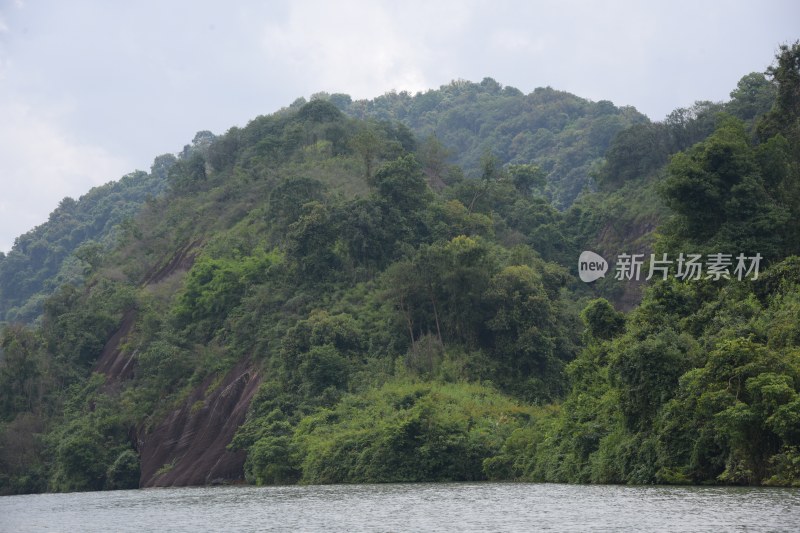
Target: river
<point x="408" y="507"/>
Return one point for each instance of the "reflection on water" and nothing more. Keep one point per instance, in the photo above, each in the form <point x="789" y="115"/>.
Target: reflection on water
<point x="408" y="507"/>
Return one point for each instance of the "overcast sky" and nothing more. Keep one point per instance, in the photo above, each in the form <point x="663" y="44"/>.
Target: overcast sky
<point x="93" y="89"/>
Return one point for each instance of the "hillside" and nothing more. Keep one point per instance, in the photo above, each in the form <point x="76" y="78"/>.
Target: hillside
<point x="564" y="135"/>
<point x="322" y="298"/>
<point x="457" y="126"/>
<point x="63" y="249"/>
<point x="457" y="129"/>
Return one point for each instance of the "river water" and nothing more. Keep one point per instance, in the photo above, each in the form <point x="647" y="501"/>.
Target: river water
<point x="408" y="507"/>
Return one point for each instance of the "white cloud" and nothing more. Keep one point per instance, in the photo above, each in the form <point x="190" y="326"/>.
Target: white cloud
<point x="362" y="48"/>
<point x="515" y="41"/>
<point x="42" y="165"/>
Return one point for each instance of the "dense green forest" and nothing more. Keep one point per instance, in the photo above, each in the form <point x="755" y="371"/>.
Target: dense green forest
<point x="77" y="233"/>
<point x="459" y="124"/>
<point x="564" y="135"/>
<point x="386" y="290"/>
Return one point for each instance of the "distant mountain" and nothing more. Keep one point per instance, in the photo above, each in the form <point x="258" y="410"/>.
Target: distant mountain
<point x="62" y="249"/>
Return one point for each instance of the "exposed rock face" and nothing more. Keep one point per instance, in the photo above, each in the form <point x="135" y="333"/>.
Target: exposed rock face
<point x="114" y="362"/>
<point x="189" y="446"/>
<point x="181" y="261"/>
<point x="634" y="237"/>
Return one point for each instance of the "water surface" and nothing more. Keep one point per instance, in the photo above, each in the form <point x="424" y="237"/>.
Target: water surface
<point x="408" y="507"/>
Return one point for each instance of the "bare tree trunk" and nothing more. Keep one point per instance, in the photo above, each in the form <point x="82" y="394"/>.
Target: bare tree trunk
<point x="409" y="323"/>
<point x="435" y="315"/>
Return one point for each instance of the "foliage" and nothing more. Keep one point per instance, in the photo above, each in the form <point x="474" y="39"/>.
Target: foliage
<point x="403" y="288"/>
<point x="603" y="322"/>
<point x="722" y="197"/>
<point x="565" y="136"/>
<point x="214" y="287"/>
<point x="711" y="398"/>
<point x="57" y="251"/>
<point x="407" y="432"/>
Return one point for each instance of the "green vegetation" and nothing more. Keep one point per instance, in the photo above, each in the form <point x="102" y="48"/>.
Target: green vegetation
<point x="70" y="244"/>
<point x="400" y="432"/>
<point x="407" y="301"/>
<point x="564" y="135"/>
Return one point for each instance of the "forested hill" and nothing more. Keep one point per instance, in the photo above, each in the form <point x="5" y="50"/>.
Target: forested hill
<point x="458" y="130"/>
<point x="463" y="124"/>
<point x="565" y="135"/>
<point x="61" y="250"/>
<point x="319" y="298"/>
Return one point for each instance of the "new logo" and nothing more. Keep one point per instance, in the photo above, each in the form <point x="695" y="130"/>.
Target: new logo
<point x="591" y="267"/>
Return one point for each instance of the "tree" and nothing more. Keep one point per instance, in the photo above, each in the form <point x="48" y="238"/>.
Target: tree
<point x="441" y="289"/>
<point x="401" y="184"/>
<point x="341" y="100"/>
<point x="124" y="472"/>
<point x="491" y="174"/>
<point x="402" y="194"/>
<point x="785" y="115"/>
<point x="367" y="144"/>
<point x="754" y="95"/>
<point x="433" y="155"/>
<point x="213" y="288"/>
<point x="287" y="199"/>
<point x="634" y="153"/>
<point x="367" y="237"/>
<point x="161" y="166"/>
<point x="21" y="384"/>
<point x="646" y="372"/>
<point x="189" y="173"/>
<point x="738" y="410"/>
<point x="687" y="126"/>
<point x="718" y="190"/>
<point x="780" y="128"/>
<point x="526" y="178"/>
<point x="319" y="110"/>
<point x="603" y="322"/>
<point x="310" y="243"/>
<point x="525" y="330"/>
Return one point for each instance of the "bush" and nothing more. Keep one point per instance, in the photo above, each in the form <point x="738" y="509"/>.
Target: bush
<point x="124" y="472"/>
<point x="407" y="433"/>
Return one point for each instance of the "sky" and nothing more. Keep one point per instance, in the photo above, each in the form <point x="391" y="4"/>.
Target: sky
<point x="91" y="90"/>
